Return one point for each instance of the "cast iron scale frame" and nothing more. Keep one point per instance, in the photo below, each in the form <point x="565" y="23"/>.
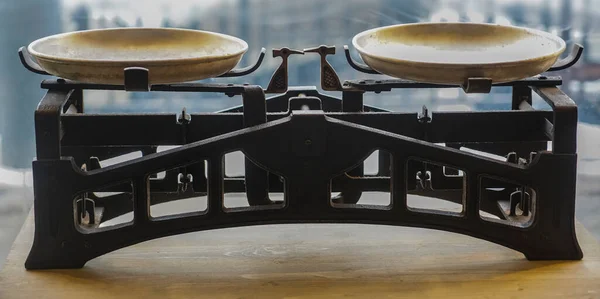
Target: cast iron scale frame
<point x="315" y="151"/>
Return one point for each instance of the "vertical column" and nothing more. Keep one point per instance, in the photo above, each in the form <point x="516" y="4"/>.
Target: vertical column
<point x="565" y="132"/>
<point x="520" y="94"/>
<point x="257" y="179"/>
<point x="471" y="196"/>
<point x="141" y="202"/>
<point x="384" y="163"/>
<point x="56" y="240"/>
<point x="564" y="126"/>
<point x="308" y="196"/>
<point x="352" y="101"/>
<point x="47" y="124"/>
<point x="215" y="185"/>
<point x="398" y="183"/>
<point x="554" y="226"/>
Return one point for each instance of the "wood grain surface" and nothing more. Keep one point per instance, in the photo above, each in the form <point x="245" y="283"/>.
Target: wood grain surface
<point x="309" y="261"/>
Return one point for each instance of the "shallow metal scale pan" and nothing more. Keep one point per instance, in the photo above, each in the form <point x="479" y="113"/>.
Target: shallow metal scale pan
<point x="171" y="55"/>
<point x="451" y="53"/>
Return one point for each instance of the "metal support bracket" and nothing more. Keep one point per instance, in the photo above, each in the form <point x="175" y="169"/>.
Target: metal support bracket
<point x="329" y="78"/>
<point x="247" y="70"/>
<point x="184" y="178"/>
<point x="279" y="80"/>
<point x="424" y="175"/>
<point x="477" y="85"/>
<point x="570" y="60"/>
<point x="135" y="77"/>
<point x="363" y="68"/>
<point x="28" y="62"/>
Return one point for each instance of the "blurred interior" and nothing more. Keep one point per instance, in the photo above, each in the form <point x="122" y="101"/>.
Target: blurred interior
<point x="272" y="24"/>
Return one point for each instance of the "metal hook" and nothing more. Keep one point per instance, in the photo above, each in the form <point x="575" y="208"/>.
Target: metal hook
<point x="358" y="66"/>
<point x="246" y="70"/>
<point x="424" y="179"/>
<point x="424" y="116"/>
<point x="28" y="62"/>
<point x="568" y="61"/>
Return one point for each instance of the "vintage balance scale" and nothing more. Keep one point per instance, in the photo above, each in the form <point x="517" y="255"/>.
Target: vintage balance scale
<point x="302" y="143"/>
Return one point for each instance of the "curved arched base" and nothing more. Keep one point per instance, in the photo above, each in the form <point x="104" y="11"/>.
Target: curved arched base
<point x="59" y="243"/>
<point x="309" y="149"/>
<point x="49" y="253"/>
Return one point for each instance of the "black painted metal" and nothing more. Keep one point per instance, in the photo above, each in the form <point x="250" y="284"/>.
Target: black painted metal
<point x="363" y="68"/>
<point x="247" y="70"/>
<point x="280" y="103"/>
<point x="390" y="84"/>
<point x="570" y="60"/>
<point x="279" y="80"/>
<point x="136" y="79"/>
<point x="29" y="63"/>
<point x="329" y="78"/>
<point x="305" y="145"/>
<point x="477" y="85"/>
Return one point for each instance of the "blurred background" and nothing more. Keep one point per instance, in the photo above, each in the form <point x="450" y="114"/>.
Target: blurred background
<point x="273" y="24"/>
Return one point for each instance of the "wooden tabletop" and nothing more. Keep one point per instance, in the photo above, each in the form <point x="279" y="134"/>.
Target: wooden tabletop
<point x="309" y="261"/>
